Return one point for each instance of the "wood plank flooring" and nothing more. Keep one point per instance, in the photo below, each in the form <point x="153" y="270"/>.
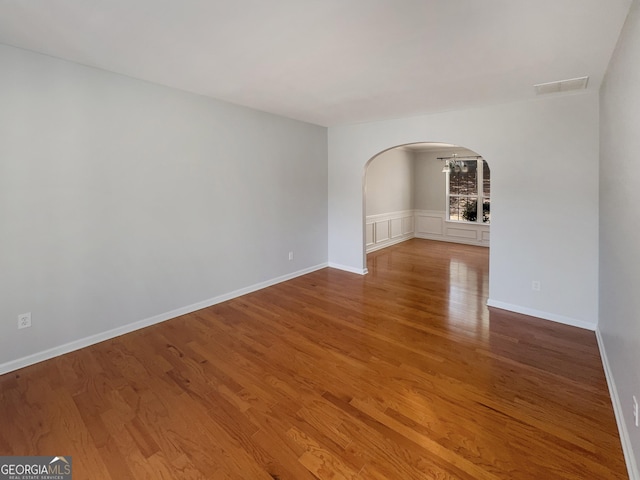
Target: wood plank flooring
<point x="401" y="374"/>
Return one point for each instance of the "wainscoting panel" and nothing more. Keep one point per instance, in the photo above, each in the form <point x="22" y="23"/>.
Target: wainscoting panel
<point x="462" y="233"/>
<point x="369" y="234"/>
<point x="382" y="231"/>
<point x="432" y="224"/>
<point x="390" y="228"/>
<point x="396" y="227"/>
<point x="407" y="225"/>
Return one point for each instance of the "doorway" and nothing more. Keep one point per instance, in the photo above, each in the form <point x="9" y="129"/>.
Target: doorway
<point x="435" y="191"/>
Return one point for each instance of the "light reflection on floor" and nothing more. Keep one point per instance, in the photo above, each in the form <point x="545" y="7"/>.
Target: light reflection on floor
<point x="468" y="293"/>
<point x="450" y="281"/>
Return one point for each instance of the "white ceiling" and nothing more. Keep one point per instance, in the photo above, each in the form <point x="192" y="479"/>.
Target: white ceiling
<point x="330" y="62"/>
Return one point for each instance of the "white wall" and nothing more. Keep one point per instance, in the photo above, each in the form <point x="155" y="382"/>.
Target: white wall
<point x="122" y="200"/>
<point x="619" y="323"/>
<point x="389" y="182"/>
<point x="430" y="188"/>
<point x="544" y="223"/>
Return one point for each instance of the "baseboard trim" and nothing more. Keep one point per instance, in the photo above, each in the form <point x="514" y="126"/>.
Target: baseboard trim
<point x="629" y="458"/>
<point x="359" y="271"/>
<point x="393" y="241"/>
<point x="540" y="314"/>
<point x="147" y="322"/>
<point x="450" y="239"/>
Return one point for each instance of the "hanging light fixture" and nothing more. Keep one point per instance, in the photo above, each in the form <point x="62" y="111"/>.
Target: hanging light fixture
<point x="456" y="164"/>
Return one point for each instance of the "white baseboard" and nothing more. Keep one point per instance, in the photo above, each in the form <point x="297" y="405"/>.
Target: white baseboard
<point x="450" y="239"/>
<point x="629" y="458"/>
<point x="359" y="271"/>
<point x="394" y="241"/>
<point x="116" y="332"/>
<point x="540" y="314"/>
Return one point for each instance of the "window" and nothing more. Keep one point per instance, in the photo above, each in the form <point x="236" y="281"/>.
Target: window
<point x="468" y="185"/>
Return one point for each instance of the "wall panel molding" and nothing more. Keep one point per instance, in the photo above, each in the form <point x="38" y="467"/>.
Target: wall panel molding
<point x="369" y="234"/>
<point x="432" y="225"/>
<point x="387" y="229"/>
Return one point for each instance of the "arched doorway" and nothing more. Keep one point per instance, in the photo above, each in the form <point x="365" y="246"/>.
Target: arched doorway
<point x="433" y="191"/>
<point x="430" y="190"/>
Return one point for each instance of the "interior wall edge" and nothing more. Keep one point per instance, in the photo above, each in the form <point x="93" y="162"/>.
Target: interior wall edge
<point x="347" y="268"/>
<point x="623" y="432"/>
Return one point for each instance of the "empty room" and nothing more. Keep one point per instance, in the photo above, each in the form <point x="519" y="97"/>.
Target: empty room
<point x="367" y="239"/>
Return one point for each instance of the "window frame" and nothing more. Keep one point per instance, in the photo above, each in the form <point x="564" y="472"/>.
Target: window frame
<point x="479" y="197"/>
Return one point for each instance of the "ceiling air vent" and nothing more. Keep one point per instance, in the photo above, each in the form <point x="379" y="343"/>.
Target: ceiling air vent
<point x="562" y="86"/>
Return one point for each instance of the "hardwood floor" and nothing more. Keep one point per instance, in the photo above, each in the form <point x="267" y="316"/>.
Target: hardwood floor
<point x="401" y="374"/>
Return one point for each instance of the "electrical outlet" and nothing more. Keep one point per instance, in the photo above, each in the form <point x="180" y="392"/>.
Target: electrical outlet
<point x="290" y="255"/>
<point x="535" y="285"/>
<point x="24" y="320"/>
<point x="635" y="411"/>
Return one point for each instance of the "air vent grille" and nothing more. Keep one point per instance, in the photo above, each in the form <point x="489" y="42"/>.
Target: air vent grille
<point x="562" y="86"/>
